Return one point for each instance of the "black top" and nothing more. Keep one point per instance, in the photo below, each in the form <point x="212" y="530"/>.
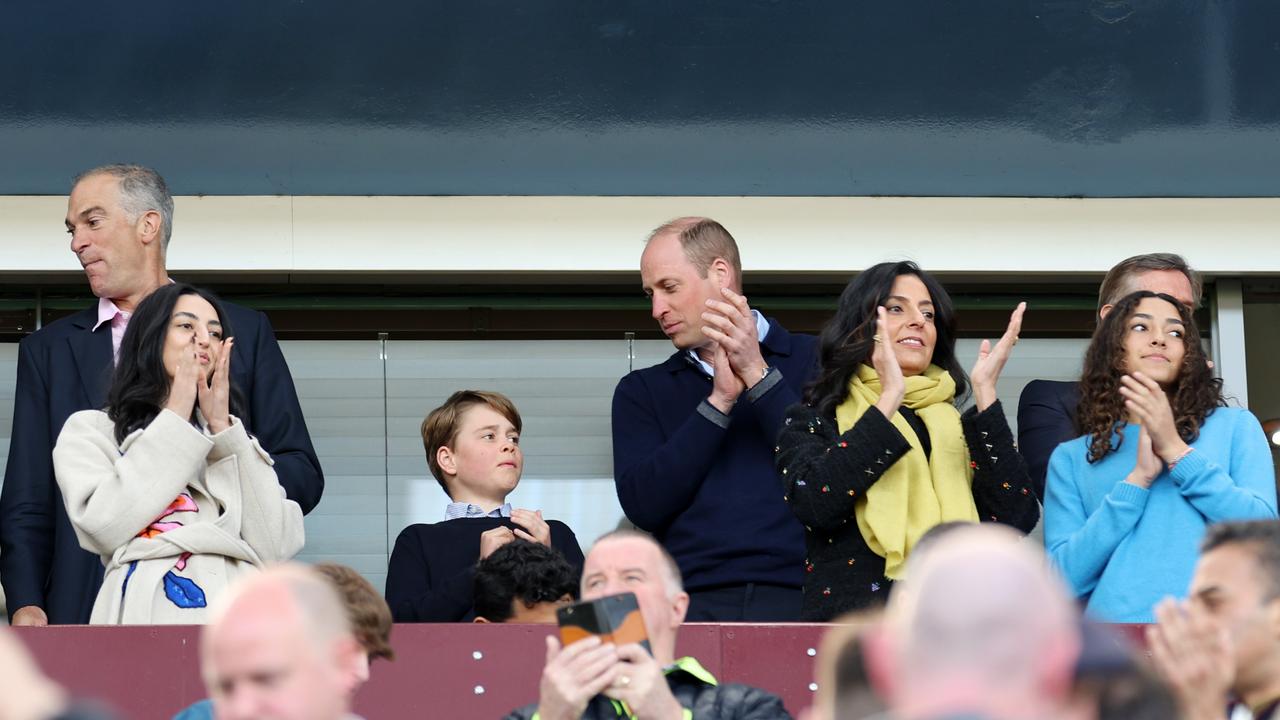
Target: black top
<point x="701" y="699"/>
<point x="823" y="472"/>
<point x="432" y="570"/>
<point x="1046" y="419"/>
<point x="703" y="482"/>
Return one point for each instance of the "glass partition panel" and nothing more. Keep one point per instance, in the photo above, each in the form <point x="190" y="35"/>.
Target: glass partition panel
<point x="340" y="387"/>
<point x="364" y="414"/>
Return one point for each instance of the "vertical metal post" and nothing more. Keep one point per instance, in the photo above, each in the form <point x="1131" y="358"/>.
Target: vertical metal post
<point x="39" y="308"/>
<point x="1228" y="339"/>
<point x="386" y="446"/>
<point x="631" y="350"/>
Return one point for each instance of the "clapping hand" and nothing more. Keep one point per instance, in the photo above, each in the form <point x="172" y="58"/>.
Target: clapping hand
<point x="1148" y="466"/>
<point x="186" y="377"/>
<point x="215" y="391"/>
<point x="725" y="385"/>
<point x="986" y="370"/>
<point x="892" y="385"/>
<point x="1149" y="406"/>
<point x="1193" y="654"/>
<point x="731" y="325"/>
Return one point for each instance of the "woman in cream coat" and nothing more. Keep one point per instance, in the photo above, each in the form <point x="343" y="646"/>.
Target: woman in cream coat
<point x="165" y="484"/>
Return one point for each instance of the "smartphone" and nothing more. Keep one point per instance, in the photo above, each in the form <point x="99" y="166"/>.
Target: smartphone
<point x="614" y="619"/>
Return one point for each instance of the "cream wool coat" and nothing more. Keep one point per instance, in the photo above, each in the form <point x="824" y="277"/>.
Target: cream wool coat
<point x="235" y="518"/>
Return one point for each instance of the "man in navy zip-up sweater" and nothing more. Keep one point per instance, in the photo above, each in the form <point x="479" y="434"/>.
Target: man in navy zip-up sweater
<point x="693" y="437"/>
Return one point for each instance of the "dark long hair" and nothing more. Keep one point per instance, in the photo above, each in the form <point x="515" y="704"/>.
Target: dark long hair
<point x="140" y="383"/>
<point x="1194" y="394"/>
<point x="846" y="340"/>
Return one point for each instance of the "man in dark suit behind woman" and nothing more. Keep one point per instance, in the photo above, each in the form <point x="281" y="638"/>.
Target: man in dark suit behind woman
<point x="120" y="219"/>
<point x="1047" y="408"/>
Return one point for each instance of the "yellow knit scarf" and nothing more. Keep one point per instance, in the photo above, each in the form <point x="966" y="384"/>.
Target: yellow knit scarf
<point x="915" y="493"/>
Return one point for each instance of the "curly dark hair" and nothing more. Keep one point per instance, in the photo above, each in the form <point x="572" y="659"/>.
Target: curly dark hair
<point x="846" y="340"/>
<point x="140" y="383"/>
<point x="1192" y="396"/>
<point x="520" y="570"/>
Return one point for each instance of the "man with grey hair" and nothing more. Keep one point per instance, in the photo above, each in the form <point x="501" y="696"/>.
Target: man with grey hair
<point x="981" y="628"/>
<point x="119" y="218"/>
<point x="694" y="436"/>
<point x="588" y="679"/>
<point x="1047" y="408"/>
<point x="280" y="646"/>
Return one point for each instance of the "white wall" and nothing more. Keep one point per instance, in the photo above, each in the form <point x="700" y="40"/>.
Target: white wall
<point x="1018" y="236"/>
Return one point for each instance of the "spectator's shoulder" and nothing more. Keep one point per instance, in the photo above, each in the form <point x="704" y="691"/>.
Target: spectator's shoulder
<point x="643" y="380"/>
<point x="1234" y="417"/>
<point x="524" y="713"/>
<point x="1041" y="389"/>
<point x="61" y="328"/>
<point x="559" y="526"/>
<point x="240" y="312"/>
<point x="805" y="340"/>
<point x="86" y="420"/>
<point x="750" y="703"/>
<point x="801" y="413"/>
<point x="246" y="322"/>
<point x="419" y="531"/>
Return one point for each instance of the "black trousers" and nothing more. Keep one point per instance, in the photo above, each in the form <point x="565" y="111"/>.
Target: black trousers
<point x="752" y="602"/>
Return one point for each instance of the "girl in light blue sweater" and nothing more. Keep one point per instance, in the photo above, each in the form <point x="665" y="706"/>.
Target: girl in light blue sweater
<point x="1160" y="460"/>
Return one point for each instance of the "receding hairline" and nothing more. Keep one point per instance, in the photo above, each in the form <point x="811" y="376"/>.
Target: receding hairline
<point x="703" y="240"/>
<point x="312" y="602"/>
<point x="140" y="190"/>
<point x="674" y="580"/>
<point x="1123" y="277"/>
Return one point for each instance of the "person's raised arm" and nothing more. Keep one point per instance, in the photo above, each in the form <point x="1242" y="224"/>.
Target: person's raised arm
<point x="111" y="497"/>
<point x="276" y="420"/>
<point x="732" y="325"/>
<point x="657" y="476"/>
<point x="1245" y="490"/>
<point x="825" y="472"/>
<point x="28" y="501"/>
<point x="1001" y="488"/>
<point x="1081" y="543"/>
<point x="991" y="361"/>
<point x="1043" y="423"/>
<point x="1194" y="656"/>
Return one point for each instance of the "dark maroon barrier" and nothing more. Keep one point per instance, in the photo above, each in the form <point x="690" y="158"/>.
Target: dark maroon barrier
<point x="441" y="671"/>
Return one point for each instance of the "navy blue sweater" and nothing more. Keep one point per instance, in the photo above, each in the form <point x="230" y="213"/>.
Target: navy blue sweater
<point x="704" y="483"/>
<point x="431" y="574"/>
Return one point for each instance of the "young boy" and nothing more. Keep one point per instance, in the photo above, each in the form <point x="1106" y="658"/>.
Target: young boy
<point x="473" y="450"/>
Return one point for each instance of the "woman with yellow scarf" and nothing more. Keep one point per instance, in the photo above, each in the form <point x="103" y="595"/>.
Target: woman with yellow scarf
<point x="878" y="453"/>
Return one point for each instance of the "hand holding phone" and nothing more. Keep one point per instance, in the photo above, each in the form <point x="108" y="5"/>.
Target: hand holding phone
<point x="614" y="619"/>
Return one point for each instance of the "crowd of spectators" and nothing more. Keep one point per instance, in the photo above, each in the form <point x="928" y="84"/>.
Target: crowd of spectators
<point x="160" y="467"/>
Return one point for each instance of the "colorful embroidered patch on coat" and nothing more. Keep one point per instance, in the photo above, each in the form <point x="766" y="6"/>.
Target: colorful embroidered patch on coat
<point x="183" y="592"/>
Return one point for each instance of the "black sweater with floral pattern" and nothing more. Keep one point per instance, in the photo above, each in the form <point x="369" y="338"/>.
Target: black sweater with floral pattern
<point x="823" y="473"/>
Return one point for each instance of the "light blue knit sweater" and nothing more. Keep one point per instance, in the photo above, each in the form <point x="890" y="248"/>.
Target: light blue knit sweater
<point x="1123" y="548"/>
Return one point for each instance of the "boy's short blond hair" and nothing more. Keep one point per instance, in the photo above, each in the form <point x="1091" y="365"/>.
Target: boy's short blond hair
<point x="440" y="428"/>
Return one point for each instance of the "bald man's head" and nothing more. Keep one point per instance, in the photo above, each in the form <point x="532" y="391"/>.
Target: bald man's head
<point x="279" y="647"/>
<point x="981" y="624"/>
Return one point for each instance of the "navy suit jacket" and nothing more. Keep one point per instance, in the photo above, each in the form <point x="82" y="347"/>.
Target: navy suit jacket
<point x="65" y="368"/>
<point x="1046" y="419"/>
